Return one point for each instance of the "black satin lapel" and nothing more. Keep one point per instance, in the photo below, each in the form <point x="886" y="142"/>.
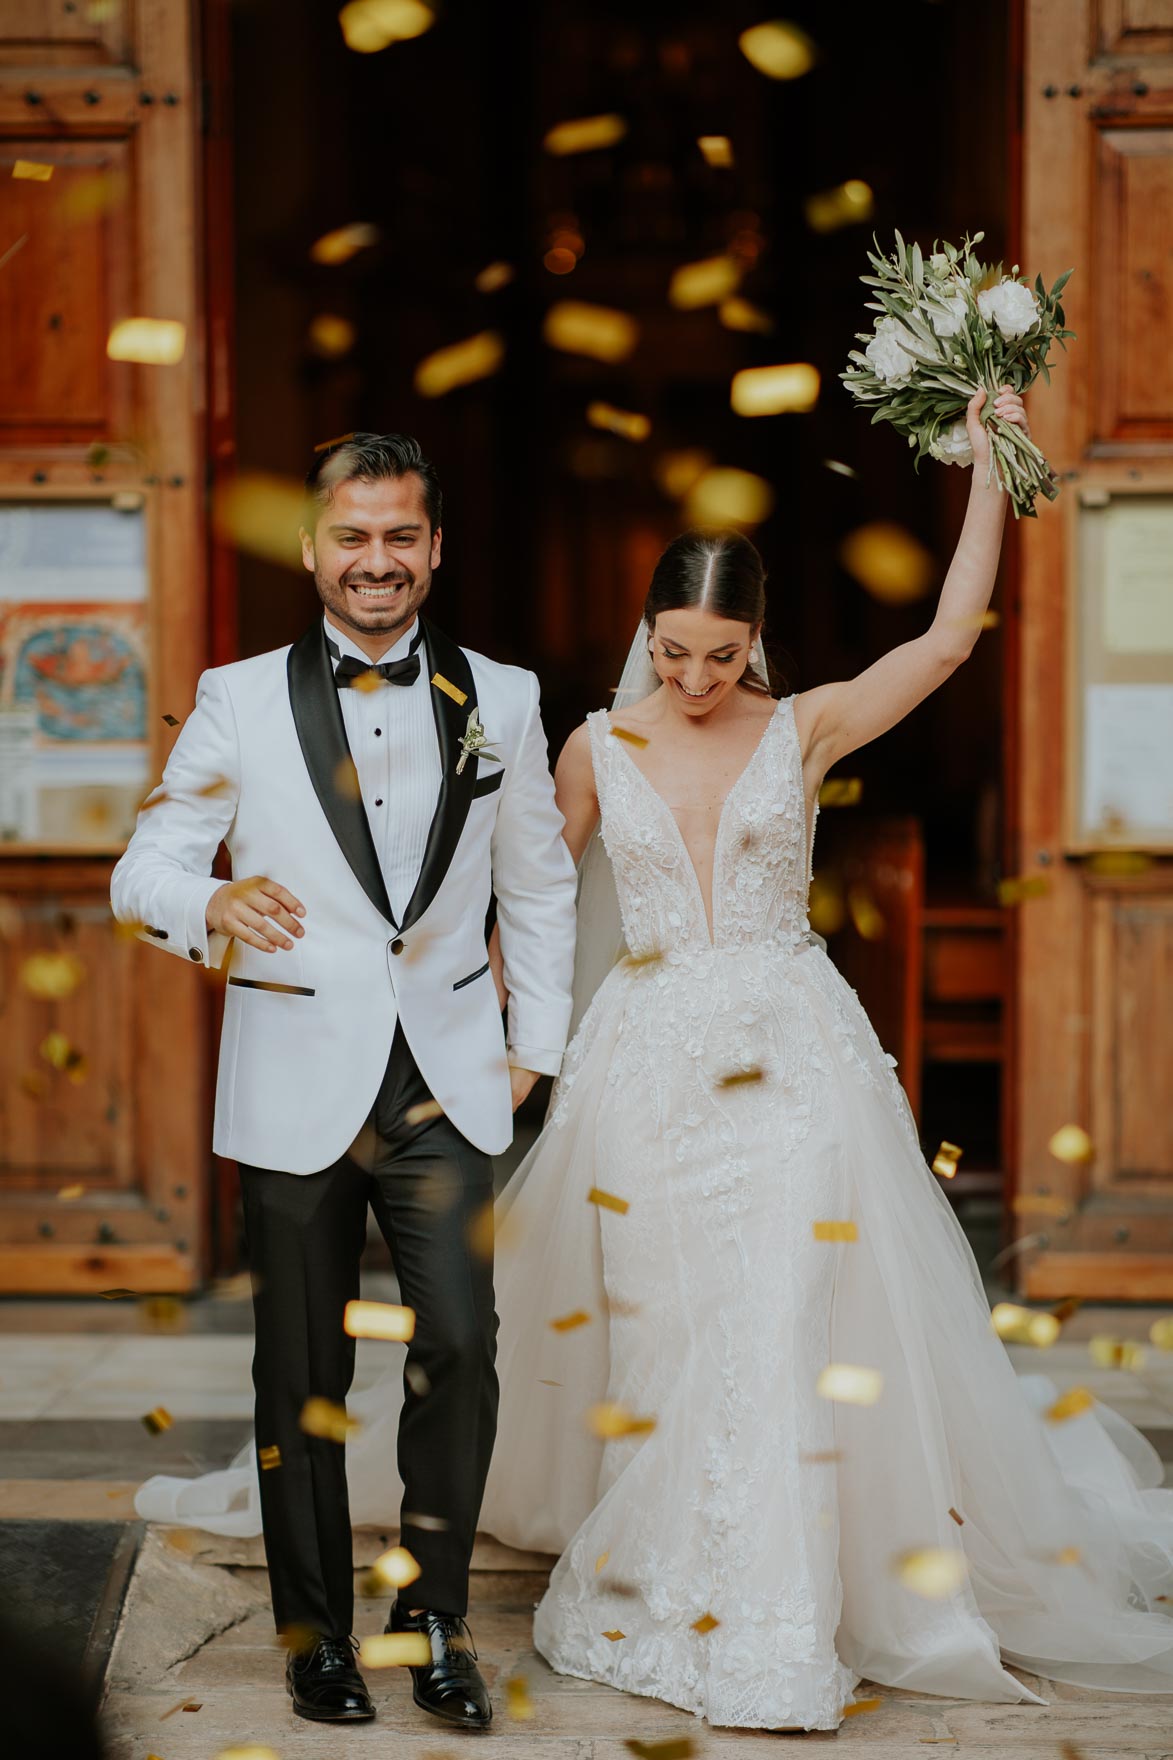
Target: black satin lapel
<point x="317" y="715"/>
<point x="446" y="659"/>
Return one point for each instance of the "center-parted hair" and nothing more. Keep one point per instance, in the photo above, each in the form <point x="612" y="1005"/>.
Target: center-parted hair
<point x="718" y="571"/>
<point x="369" y="458"/>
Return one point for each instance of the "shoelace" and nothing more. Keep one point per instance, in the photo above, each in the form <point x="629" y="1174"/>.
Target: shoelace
<point x="332" y="1654"/>
<point x="455" y="1629"/>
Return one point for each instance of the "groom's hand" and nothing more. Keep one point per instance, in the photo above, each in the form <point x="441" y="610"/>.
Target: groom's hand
<point x="521" y="1081"/>
<point x="257" y="911"/>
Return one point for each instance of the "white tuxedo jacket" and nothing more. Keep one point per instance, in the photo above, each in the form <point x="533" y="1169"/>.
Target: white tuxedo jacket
<point x="307" y="1032"/>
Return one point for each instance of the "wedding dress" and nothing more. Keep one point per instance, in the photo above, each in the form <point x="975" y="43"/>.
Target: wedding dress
<point x="737" y="1542"/>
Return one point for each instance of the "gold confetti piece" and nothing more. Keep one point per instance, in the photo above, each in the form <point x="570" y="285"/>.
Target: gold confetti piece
<point x="450" y="690"/>
<point x="395" y="1650"/>
<point x="494" y="276"/>
<point x="158" y="1420"/>
<point x="717" y="150"/>
<point x="705" y="1624"/>
<point x="600" y="332"/>
<point x="260" y="513"/>
<point x="269" y="1457"/>
<point x="840" y="469"/>
<point x="164" y="1313"/>
<point x="672" y="1748"/>
<point x="1018" y="1325"/>
<point x="379" y="1320"/>
<point x="1068" y="1750"/>
<point x="826" y="906"/>
<point x="841" y="791"/>
<point x="772" y="391"/>
<point x="706" y="283"/>
<point x="553" y="1383"/>
<point x="945" y="1160"/>
<point x="935" y="1741"/>
<point x="960" y="1520"/>
<point x="636" y="960"/>
<point x="625" y="733"/>
<point x="1021" y="886"/>
<point x="615" y="1636"/>
<point x="116" y="1295"/>
<point x="1118" y="864"/>
<point x="195" y="1705"/>
<point x="427" y="1524"/>
<point x="857" y="1706"/>
<point x="888" y="562"/>
<point x="1070" y="1405"/>
<point x="822" y="1458"/>
<point x="835" y="1231"/>
<point x="178" y="1706"/>
<point x="742" y="1078"/>
<point x="608" y="1201"/>
<point x="1161" y="1334"/>
<point x="371" y="25"/>
<point x="1068" y="1555"/>
<point x="51" y="977"/>
<point x="1039" y="1204"/>
<point x="344" y="242"/>
<point x="601" y="1561"/>
<point x="338" y="440"/>
<point x="628" y="424"/>
<point x="584" y="134"/>
<point x="866" y="914"/>
<point x="742" y="315"/>
<point x="933" y="1572"/>
<point x="518" y="1704"/>
<point x="152" y="342"/>
<point x="726" y="496"/>
<point x="611" y="1420"/>
<point x="568" y="1322"/>
<point x="844" y="205"/>
<point x="171" y="720"/>
<point x="35" y="170"/>
<point x="248" y="1751"/>
<point x="423" y="1113"/>
<point x="297" y="1639"/>
<point x="676" y="472"/>
<point x="1115" y="1353"/>
<point x="331" y="336"/>
<point x="417" y="1379"/>
<point x="56" y="1049"/>
<point x="1072" y="1144"/>
<point x="460" y="363"/>
<point x="397" y="1568"/>
<point x="67" y="1194"/>
<point x="850" y="1384"/>
<point x="322" y="1418"/>
<point x="778" y="49"/>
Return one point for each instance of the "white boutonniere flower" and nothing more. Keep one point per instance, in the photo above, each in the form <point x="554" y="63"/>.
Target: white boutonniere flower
<point x="474" y="743"/>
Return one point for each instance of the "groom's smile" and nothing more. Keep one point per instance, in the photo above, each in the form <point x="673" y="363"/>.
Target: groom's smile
<point x="372" y="552"/>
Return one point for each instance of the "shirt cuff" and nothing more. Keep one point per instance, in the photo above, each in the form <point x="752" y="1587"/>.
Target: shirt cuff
<point x="204" y="946"/>
<point x="547" y="1063"/>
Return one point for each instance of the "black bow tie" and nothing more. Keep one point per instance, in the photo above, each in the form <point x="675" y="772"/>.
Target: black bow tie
<point x="349" y="670"/>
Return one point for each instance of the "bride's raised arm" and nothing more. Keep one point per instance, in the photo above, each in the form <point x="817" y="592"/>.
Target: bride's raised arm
<point x="835" y="719"/>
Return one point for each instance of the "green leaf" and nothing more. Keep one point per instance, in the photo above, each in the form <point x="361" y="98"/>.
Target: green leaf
<point x="1061" y="283"/>
<point x="918" y="266"/>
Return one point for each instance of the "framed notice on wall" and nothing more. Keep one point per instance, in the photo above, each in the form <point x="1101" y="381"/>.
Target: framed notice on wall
<point x="74" y="675"/>
<point x="1120" y="699"/>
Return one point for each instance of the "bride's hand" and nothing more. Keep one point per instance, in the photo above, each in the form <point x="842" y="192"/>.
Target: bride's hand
<point x="1008" y="405"/>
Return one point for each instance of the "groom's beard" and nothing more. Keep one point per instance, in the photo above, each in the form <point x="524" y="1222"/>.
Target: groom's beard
<point x="375" y="616"/>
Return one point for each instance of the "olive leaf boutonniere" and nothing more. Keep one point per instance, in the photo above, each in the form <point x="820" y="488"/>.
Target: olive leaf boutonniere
<point x="474" y="743"/>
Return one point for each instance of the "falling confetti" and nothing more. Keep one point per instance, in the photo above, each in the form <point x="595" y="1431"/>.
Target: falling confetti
<point x="322" y="1418"/>
<point x="1017" y="887"/>
<point x="725" y="495"/>
<point x="68" y="1194"/>
<point x="677" y="472"/>
<point x="865" y="913"/>
<point x="849" y="1384"/>
<point x="331" y="336"/>
<point x="635" y="961"/>
<point x="1070" y="1405"/>
<point x="417" y="1379"/>
<point x="397" y="1568"/>
<point x="742" y="315"/>
<point x="371" y="25"/>
<point x="260" y="513"/>
<point x="945" y="1160"/>
<point x="269" y="1457"/>
<point x="116" y="1295"/>
<point x="1161" y="1334"/>
<point x="248" y="1751"/>
<point x="460" y="363"/>
<point x="601" y="1561"/>
<point x="772" y="391"/>
<point x="611" y="1420"/>
<point x="1119" y="864"/>
<point x="450" y="690"/>
<point x="628" y="424"/>
<point x="1018" y="1325"/>
<point x="338" y="440"/>
<point x="835" y="1231"/>
<point x="888" y="562"/>
<point x="1040" y="1204"/>
<point x="826" y="905"/>
<point x="164" y="1313"/>
<point x="705" y="283"/>
<point x="158" y="1420"/>
<point x="423" y="1113"/>
<point x="35" y="170"/>
<point x="171" y="720"/>
<point x="343" y="243"/>
<point x="778" y="49"/>
<point x="705" y="1624"/>
<point x="494" y="276"/>
<point x="933" y="1572"/>
<point x="608" y="1201"/>
<point x="1071" y="1144"/>
<point x="51" y="977"/>
<point x="153" y="342"/>
<point x="960" y="1520"/>
<point x="601" y="332"/>
<point x="840" y="469"/>
<point x="841" y="791"/>
<point x="395" y="1650"/>
<point x="568" y="1322"/>
<point x="584" y="134"/>
<point x="717" y="150"/>
<point x="614" y="1636"/>
<point x="427" y="1524"/>
<point x="379" y="1320"/>
<point x="1115" y="1353"/>
<point x="518" y="1704"/>
<point x="625" y="733"/>
<point x="56" y="1049"/>
<point x="844" y="205"/>
<point x="742" y="1078"/>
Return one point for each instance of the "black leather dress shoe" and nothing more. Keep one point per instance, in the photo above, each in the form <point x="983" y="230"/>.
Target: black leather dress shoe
<point x="325" y="1684"/>
<point x="450" y="1686"/>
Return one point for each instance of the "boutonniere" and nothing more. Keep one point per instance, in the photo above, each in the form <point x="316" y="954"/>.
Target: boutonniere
<point x="474" y="743"/>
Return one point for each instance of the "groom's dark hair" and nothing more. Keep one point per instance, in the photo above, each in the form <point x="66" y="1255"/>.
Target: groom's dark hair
<point x="367" y="458"/>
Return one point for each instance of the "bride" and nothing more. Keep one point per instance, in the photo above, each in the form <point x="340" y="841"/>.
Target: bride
<point x="750" y="1391"/>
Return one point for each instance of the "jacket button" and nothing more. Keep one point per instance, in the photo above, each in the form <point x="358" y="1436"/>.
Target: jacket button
<point x="194" y="953"/>
<point x="397" y="946"/>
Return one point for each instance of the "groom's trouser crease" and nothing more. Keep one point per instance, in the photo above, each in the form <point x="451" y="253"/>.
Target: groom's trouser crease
<point x="306" y="1234"/>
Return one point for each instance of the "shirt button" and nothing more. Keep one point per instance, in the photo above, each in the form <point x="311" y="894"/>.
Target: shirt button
<point x="397" y="946"/>
<point x="194" y="953"/>
<point x="379" y="802"/>
<point x="378" y="732"/>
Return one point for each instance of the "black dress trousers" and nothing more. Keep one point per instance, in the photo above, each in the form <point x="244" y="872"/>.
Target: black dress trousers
<point x="432" y="1193"/>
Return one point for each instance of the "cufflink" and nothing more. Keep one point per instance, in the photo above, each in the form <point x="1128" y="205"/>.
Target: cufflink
<point x="194" y="953"/>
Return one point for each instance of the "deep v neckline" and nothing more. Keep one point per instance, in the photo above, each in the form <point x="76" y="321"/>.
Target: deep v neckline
<point x="710" y="923"/>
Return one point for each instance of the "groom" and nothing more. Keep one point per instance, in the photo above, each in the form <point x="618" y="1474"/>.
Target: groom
<point x="375" y="783"/>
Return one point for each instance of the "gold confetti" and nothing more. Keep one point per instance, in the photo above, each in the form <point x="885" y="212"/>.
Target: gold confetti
<point x="600" y="332"/>
<point x="269" y="1457"/>
<point x="1071" y="1144"/>
<point x="960" y="1520"/>
<point x="1068" y="1750"/>
<point x="610" y="1420"/>
<point x="494" y="276"/>
<point x="57" y="1050"/>
<point x="1115" y="1353"/>
<point x="260" y="513"/>
<point x="1070" y="1405"/>
<point x="888" y="562"/>
<point x="742" y="1078"/>
<point x="1018" y="1325"/>
<point x="553" y="1383"/>
<point x="676" y="472"/>
<point x="1039" y="1204"/>
<point x="116" y="1295"/>
<point x="427" y="1524"/>
<point x="371" y="25"/>
<point x="248" y="1751"/>
<point x="171" y="720"/>
<point x="67" y="1194"/>
<point x="450" y="690"/>
<point x="857" y="1706"/>
<point x="840" y="469"/>
<point x="344" y="242"/>
<point x="628" y="424"/>
<point x="844" y="205"/>
<point x="601" y="1561"/>
<point x="1118" y="864"/>
<point x="672" y="1748"/>
<point x="778" y="49"/>
<point x="772" y="391"/>
<point x="608" y="1201"/>
<point x="460" y="363"/>
<point x="158" y="1420"/>
<point x="637" y="960"/>
<point x="379" y="1320"/>
<point x="417" y="1379"/>
<point x="338" y="440"/>
<point x="866" y="914"/>
<point x="152" y="342"/>
<point x="584" y="134"/>
<point x="945" y="1160"/>
<point x="726" y="496"/>
<point x="397" y="1568"/>
<point x="841" y="791"/>
<point x="706" y="283"/>
<point x="826" y="905"/>
<point x="625" y="733"/>
<point x="742" y="315"/>
<point x="51" y="977"/>
<point x="835" y="1231"/>
<point x="615" y="1636"/>
<point x="717" y="150"/>
<point x="1161" y="1334"/>
<point x="568" y="1322"/>
<point x="849" y="1384"/>
<point x="423" y="1113"/>
<point x="180" y="1705"/>
<point x="822" y="1458"/>
<point x="297" y="1639"/>
<point x="193" y="1705"/>
<point x="331" y="336"/>
<point x="164" y="1313"/>
<point x="1021" y="886"/>
<point x="933" y="1572"/>
<point x="35" y="170"/>
<point x="1068" y="1555"/>
<point x="705" y="1624"/>
<point x="322" y="1418"/>
<point x="395" y="1650"/>
<point x="518" y="1704"/>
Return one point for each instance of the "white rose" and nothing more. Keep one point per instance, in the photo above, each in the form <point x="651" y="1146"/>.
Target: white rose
<point x="948" y="319"/>
<point x="889" y="360"/>
<point x="1011" y="306"/>
<point x="939" y="263"/>
<point x="952" y="445"/>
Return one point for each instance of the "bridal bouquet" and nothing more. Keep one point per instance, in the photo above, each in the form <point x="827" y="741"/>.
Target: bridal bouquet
<point x="949" y="325"/>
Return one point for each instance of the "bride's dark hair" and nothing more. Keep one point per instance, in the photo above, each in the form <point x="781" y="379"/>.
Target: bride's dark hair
<point x="720" y="571"/>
